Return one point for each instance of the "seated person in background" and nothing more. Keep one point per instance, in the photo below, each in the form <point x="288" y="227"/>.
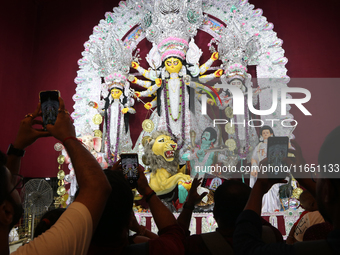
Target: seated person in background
<point x="230" y="198"/>
<point x="318" y="231"/>
<point x="248" y="227"/>
<point x="111" y="236"/>
<point x="307" y="202"/>
<point x="73" y="231"/>
<point x="308" y="220"/>
<point x="48" y="220"/>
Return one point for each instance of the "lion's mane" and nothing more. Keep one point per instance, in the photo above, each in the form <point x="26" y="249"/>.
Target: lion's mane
<point x="155" y="162"/>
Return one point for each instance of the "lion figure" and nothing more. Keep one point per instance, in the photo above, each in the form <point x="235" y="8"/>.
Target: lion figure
<point x="161" y="154"/>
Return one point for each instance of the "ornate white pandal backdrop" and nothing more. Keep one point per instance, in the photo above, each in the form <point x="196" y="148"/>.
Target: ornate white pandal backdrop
<point x="220" y="19"/>
<point x="246" y="22"/>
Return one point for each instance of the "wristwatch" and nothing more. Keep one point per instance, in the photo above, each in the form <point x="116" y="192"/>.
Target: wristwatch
<point x="14" y="151"/>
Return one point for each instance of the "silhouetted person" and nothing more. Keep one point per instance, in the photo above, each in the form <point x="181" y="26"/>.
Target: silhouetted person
<point x="327" y="191"/>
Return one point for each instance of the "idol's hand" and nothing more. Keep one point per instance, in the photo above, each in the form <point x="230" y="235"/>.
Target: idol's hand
<point x="210" y="101"/>
<point x="148" y="106"/>
<point x="218" y="73"/>
<point x="158" y="82"/>
<point x="214" y="56"/>
<point x="134" y="65"/>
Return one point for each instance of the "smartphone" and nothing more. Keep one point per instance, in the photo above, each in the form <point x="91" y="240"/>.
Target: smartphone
<point x="130" y="168"/>
<point x="49" y="106"/>
<point x="211" y="181"/>
<point x="277" y="149"/>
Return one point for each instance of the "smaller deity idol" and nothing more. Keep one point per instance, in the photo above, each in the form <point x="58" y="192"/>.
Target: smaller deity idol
<point x="111" y="60"/>
<point x="93" y="144"/>
<point x="244" y="136"/>
<point x="199" y="157"/>
<point x="118" y="106"/>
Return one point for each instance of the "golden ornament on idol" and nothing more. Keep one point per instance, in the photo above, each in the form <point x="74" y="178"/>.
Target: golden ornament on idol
<point x="148" y="125"/>
<point x="61" y="175"/>
<point x="97" y="119"/>
<point x="229" y="128"/>
<point x="98" y="133"/>
<point x="61" y="159"/>
<point x="229" y="112"/>
<point x="231" y="144"/>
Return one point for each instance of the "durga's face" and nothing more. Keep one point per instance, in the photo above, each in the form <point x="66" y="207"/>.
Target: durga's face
<point x="116" y="93"/>
<point x="173" y="65"/>
<point x="238" y="83"/>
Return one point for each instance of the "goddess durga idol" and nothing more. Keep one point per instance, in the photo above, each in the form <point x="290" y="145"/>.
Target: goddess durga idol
<point x="173" y="62"/>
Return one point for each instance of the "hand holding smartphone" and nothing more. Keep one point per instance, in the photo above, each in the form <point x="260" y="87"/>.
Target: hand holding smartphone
<point x="130" y="164"/>
<point x="277" y="149"/>
<point x="49" y="106"/>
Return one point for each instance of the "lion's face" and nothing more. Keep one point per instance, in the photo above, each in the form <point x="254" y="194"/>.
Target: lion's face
<point x="164" y="146"/>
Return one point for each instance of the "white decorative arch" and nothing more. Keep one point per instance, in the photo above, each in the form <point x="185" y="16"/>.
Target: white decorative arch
<point x="124" y="20"/>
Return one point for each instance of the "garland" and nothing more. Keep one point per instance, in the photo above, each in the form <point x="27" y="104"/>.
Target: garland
<point x="111" y="162"/>
<point x="168" y="101"/>
<point x="238" y="143"/>
<point x="182" y="106"/>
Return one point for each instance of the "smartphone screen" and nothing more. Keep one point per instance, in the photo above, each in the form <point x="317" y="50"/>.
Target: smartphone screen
<point x="130" y="168"/>
<point x="277" y="150"/>
<point x="211" y="181"/>
<point x="49" y="106"/>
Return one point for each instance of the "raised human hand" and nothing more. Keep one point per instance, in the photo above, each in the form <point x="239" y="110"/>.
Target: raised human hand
<point x="27" y="134"/>
<point x="193" y="197"/>
<point x="304" y="177"/>
<point x="142" y="183"/>
<point x="299" y="159"/>
<point x="263" y="179"/>
<point x="63" y="127"/>
<point x="117" y="166"/>
<point x="133" y="224"/>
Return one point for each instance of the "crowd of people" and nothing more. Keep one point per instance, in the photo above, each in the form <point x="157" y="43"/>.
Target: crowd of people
<point x="99" y="219"/>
